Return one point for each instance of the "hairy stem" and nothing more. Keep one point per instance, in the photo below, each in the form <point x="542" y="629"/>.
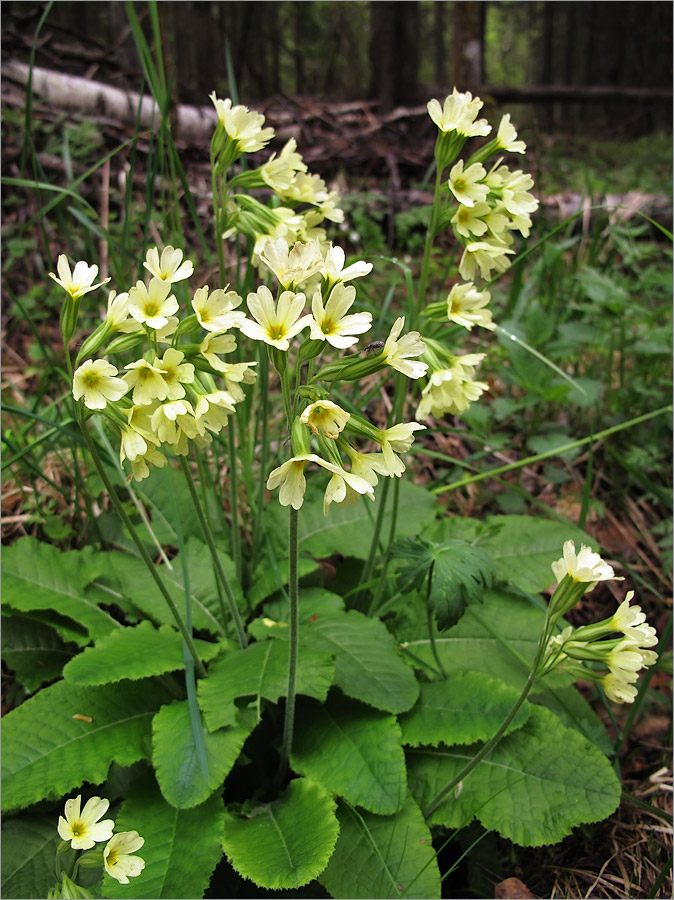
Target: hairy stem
<point x="293" y="594"/>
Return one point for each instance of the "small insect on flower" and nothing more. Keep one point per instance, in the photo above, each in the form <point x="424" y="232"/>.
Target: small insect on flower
<point x="373" y="347"/>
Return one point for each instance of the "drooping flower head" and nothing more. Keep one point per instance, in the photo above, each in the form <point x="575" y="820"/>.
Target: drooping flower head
<point x="468" y="185"/>
<point x="118" y="859"/>
<point x="398" y="353"/>
<point x="326" y="416"/>
<point x="81" y="826"/>
<point x="466" y="306"/>
<point x="586" y="566"/>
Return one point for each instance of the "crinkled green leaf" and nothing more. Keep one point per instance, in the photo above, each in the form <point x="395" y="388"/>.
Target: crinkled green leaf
<point x="134" y="652"/>
<point x="28" y="852"/>
<point x="34" y="651"/>
<point x="181" y="849"/>
<point x="352" y="750"/>
<point x="573" y="710"/>
<point x="467" y="707"/>
<point x="368" y="664"/>
<point x="285" y="844"/>
<point x="38" y="576"/>
<point x="261" y="671"/>
<point x="383" y="856"/>
<point x="175" y="757"/>
<point x="48" y="752"/>
<point x="534" y="787"/>
<point x="460" y="574"/>
<point x="522" y="548"/>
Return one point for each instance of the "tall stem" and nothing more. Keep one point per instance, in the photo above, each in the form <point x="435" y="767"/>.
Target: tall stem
<point x="430" y="236"/>
<point x="220" y="572"/>
<point x="121" y="512"/>
<point x="293" y="653"/>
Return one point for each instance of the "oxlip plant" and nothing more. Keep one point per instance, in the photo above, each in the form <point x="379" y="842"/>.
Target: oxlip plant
<point x="241" y="710"/>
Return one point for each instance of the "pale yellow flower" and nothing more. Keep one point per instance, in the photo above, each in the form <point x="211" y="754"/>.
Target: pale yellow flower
<point x="117" y="315"/>
<point x="396" y="353"/>
<point x="458" y="113"/>
<point x="81" y="827"/>
<point x="170" y="267"/>
<point x="506" y="137"/>
<point x="290" y="477"/>
<point x="331" y="323"/>
<point x="397" y="439"/>
<point x="175" y="372"/>
<point x="485" y="256"/>
<point x="467" y="185"/>
<point x="344" y="488"/>
<point x="516" y="197"/>
<point x="81" y="280"/>
<point x="618" y="689"/>
<point x="214" y="344"/>
<point x="631" y="621"/>
<point x="147" y="382"/>
<point x="142" y="465"/>
<point x="280" y="171"/>
<point x="214" y="409"/>
<point x="292" y="267"/>
<point x="151" y="305"/>
<point x="276" y="323"/>
<point x="334" y="269"/>
<point x="466" y="306"/>
<point x="138" y="434"/>
<point x="117" y="857"/>
<point x="585" y="566"/>
<point x="175" y="424"/>
<point x="95" y="381"/>
<point x="327" y="416"/>
<point x="468" y="219"/>
<point x="243" y="127"/>
<point x="217" y="311"/>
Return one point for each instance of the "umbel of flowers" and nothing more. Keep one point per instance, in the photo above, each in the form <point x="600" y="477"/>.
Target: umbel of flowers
<point x="80" y="829"/>
<point x="619" y="645"/>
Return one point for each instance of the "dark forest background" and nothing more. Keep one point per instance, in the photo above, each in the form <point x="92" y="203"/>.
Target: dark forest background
<point x="602" y="67"/>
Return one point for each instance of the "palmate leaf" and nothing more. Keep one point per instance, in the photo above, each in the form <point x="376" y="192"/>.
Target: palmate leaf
<point x="521" y="548"/>
<point x="383" y="856"/>
<point x="28" y="852"/>
<point x="285" y="844"/>
<point x="535" y="786"/>
<point x="352" y="750"/>
<point x="460" y="574"/>
<point x="37" y="576"/>
<point x="34" y="651"/>
<point x="467" y="707"/>
<point x="134" y="652"/>
<point x="261" y="671"/>
<point x="47" y="751"/>
<point x="174" y="754"/>
<point x="181" y="849"/>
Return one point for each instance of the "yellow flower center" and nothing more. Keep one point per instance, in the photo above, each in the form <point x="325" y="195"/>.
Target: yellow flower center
<point x="91" y="379"/>
<point x="77" y="829"/>
<point x="151" y="309"/>
<point x="277" y="332"/>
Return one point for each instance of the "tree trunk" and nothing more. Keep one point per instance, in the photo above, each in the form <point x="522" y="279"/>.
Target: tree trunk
<point x="467" y="46"/>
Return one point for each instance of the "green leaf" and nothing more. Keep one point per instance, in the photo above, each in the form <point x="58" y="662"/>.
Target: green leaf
<point x="165" y="492"/>
<point x="267" y="580"/>
<point x="33" y="651"/>
<point x="352" y="750"/>
<point x="569" y="705"/>
<point x="174" y="755"/>
<point x="128" y="576"/>
<point x="261" y="671"/>
<point x="134" y="652"/>
<point x="38" y="576"/>
<point x="182" y="846"/>
<point x="459" y="572"/>
<point x="350" y="530"/>
<point x="383" y="856"/>
<point x="535" y="786"/>
<point x="28" y="852"/>
<point x="368" y="664"/>
<point x="468" y="707"/>
<point x="522" y="548"/>
<point x="499" y="637"/>
<point x="285" y="844"/>
<point x="47" y="752"/>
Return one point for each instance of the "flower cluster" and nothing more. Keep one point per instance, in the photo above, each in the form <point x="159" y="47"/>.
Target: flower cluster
<point x="623" y="656"/>
<point x="82" y="829"/>
<point x="483" y="207"/>
<point x="302" y="200"/>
